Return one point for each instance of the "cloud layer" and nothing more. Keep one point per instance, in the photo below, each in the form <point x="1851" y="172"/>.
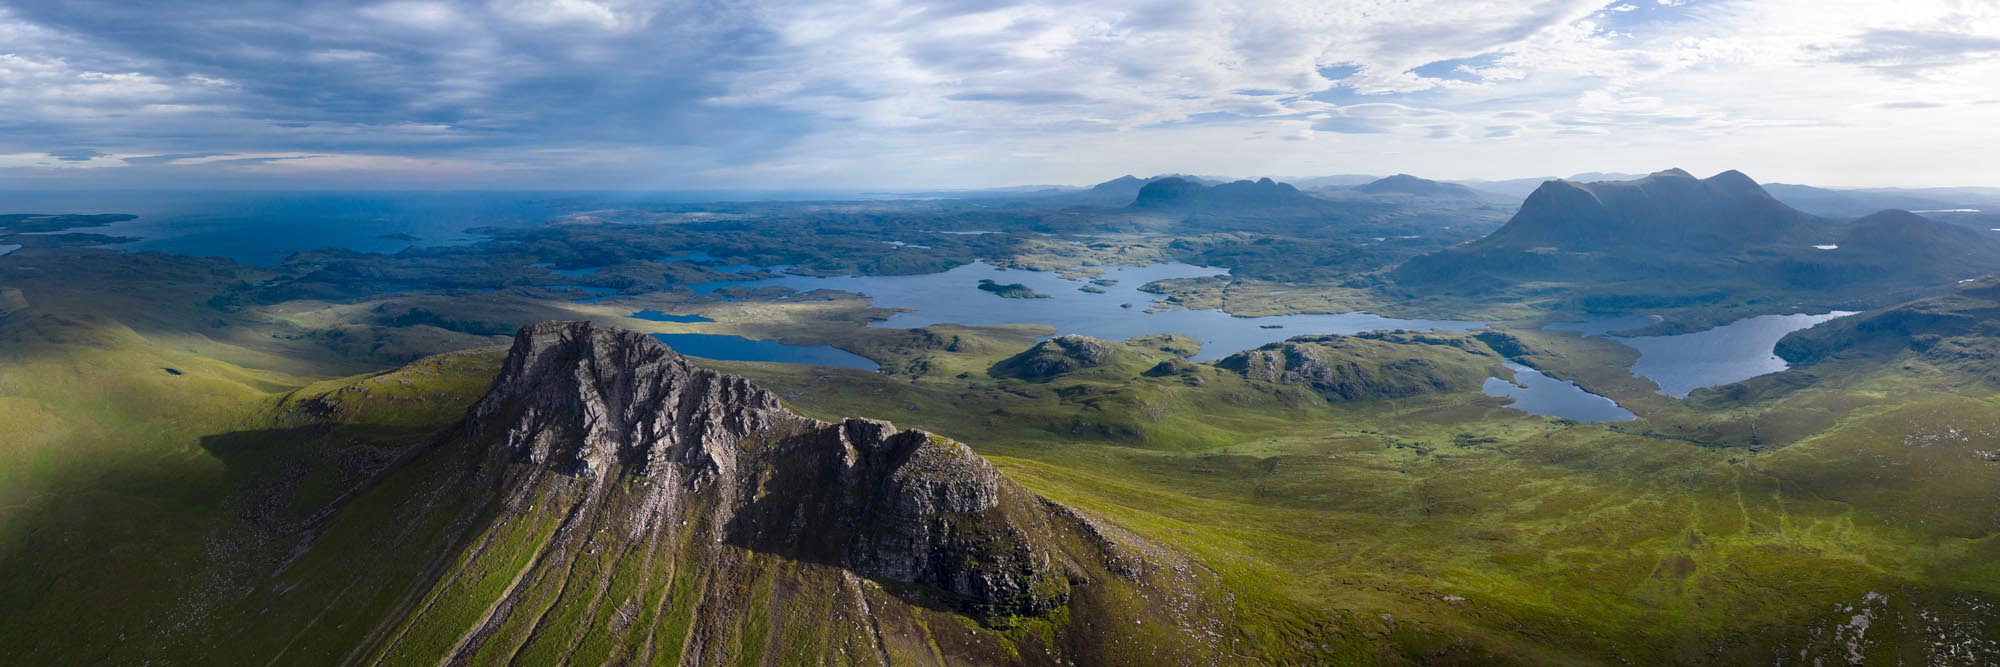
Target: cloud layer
<point x="884" y="93"/>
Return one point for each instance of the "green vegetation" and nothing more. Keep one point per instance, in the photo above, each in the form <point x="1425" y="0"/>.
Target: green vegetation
<point x="1010" y="290"/>
<point x="279" y="497"/>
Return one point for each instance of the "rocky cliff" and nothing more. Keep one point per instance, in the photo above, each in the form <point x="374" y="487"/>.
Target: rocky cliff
<point x="609" y="501"/>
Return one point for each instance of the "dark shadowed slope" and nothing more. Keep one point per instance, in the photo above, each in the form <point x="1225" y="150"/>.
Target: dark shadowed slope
<point x="608" y="501"/>
<point x="1181" y="194"/>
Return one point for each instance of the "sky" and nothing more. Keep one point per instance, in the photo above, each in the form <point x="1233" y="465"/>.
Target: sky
<point x="886" y="94"/>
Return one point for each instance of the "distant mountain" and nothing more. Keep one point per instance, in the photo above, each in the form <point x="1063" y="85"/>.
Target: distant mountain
<point x="1522" y="187"/>
<point x="1422" y="187"/>
<point x="1669" y="209"/>
<point x="1122" y="190"/>
<point x="1176" y="193"/>
<point x="1672" y="238"/>
<point x="1847" y="203"/>
<point x="1334" y="181"/>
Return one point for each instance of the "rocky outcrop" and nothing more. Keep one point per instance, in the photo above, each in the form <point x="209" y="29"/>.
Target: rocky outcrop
<point x="606" y="487"/>
<point x="1056" y="357"/>
<point x="1353" y="368"/>
<point x="599" y="405"/>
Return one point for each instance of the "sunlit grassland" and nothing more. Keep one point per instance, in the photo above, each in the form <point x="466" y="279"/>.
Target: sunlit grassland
<point x="1441" y="526"/>
<point x="1422" y="519"/>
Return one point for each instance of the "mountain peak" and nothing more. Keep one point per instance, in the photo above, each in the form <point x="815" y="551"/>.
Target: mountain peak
<point x="599" y="394"/>
<point x="1734" y="179"/>
<point x="1666" y="212"/>
<point x="641" y="450"/>
<point x="1413" y="185"/>
<point x="1121" y="182"/>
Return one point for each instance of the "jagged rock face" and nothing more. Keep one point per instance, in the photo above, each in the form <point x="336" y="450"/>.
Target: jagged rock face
<point x="608" y="502"/>
<point x="603" y="407"/>
<point x="588" y="398"/>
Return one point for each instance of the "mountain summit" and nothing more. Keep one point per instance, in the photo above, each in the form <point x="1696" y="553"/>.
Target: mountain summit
<point x="1183" y="194"/>
<point x="1668" y="209"/>
<point x="1671" y="238"/>
<point x="607" y="495"/>
<point x="1422" y="187"/>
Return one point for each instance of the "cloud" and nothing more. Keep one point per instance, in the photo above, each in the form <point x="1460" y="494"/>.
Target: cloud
<point x="1021" y="97"/>
<point x="1911" y="52"/>
<point x="665" y="93"/>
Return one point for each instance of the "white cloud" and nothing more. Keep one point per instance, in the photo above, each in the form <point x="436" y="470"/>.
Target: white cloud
<point x="816" y="92"/>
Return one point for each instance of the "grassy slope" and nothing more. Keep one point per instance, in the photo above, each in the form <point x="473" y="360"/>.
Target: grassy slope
<point x="1446" y="526"/>
<point x="1441" y="527"/>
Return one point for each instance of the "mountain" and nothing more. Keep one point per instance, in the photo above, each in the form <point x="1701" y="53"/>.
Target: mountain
<point x="1853" y="202"/>
<point x="1180" y="194"/>
<point x="1122" y="190"/>
<point x="1842" y="203"/>
<point x="1667" y="209"/>
<point x="1671" y="238"/>
<point x="1622" y="229"/>
<point x="1522" y="187"/>
<point x="1422" y="187"/>
<point x="1333" y="181"/>
<point x="609" y="501"/>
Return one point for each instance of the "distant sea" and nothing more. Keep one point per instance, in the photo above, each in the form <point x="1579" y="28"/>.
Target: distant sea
<point x="265" y="227"/>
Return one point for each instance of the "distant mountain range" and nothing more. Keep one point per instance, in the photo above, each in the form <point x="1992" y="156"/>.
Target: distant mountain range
<point x="1669" y="209"/>
<point x="1670" y="233"/>
<point x="1177" y="193"/>
<point x="1411" y="185"/>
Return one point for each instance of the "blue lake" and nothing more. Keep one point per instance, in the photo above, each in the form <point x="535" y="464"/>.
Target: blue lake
<point x="657" y="316"/>
<point x="1543" y="395"/>
<point x="737" y="348"/>
<point x="1730" y="353"/>
<point x="1119" y="312"/>
<point x="6" y="249"/>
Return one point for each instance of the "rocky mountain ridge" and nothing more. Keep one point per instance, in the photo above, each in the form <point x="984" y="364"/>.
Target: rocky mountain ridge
<point x="606" y="487"/>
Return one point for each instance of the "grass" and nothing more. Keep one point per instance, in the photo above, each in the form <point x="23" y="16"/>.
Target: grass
<point x="1440" y="528"/>
<point x="1535" y="541"/>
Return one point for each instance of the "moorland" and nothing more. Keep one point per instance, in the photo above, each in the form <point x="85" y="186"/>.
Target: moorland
<point x="221" y="460"/>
